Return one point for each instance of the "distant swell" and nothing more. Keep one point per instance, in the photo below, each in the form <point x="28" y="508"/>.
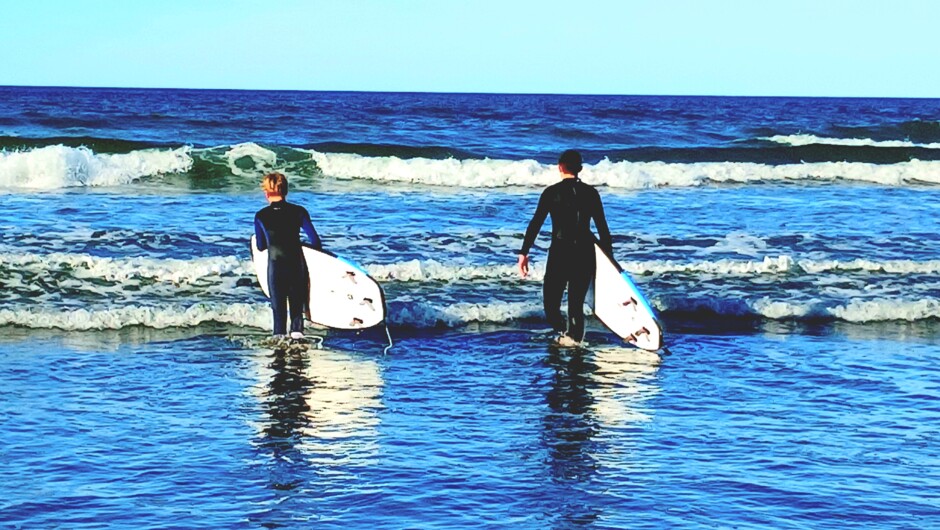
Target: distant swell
<point x="918" y="131"/>
<point x="778" y="150"/>
<point x="99" y="145"/>
<point x="389" y="150"/>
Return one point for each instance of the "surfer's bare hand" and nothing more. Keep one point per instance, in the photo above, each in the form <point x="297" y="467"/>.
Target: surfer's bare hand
<point x="523" y="265"/>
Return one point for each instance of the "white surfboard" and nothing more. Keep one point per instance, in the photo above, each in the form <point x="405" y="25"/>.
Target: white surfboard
<point x="621" y="307"/>
<point x="342" y="295"/>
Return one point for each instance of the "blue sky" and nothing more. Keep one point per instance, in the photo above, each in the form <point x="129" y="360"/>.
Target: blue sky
<point x="719" y="47"/>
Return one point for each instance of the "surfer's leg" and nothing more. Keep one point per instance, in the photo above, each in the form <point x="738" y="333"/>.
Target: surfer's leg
<point x="553" y="287"/>
<point x="298" y="300"/>
<point x="582" y="274"/>
<point x="278" y="292"/>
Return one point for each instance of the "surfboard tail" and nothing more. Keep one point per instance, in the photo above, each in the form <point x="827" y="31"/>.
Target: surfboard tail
<point x="619" y="305"/>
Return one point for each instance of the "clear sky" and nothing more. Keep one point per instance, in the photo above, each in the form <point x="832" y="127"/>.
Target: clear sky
<point x="885" y="48"/>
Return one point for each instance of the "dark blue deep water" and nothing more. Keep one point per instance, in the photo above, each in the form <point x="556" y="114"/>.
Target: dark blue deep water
<point x="790" y="246"/>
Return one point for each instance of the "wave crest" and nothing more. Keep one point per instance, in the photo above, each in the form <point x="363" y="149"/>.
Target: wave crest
<point x="490" y="173"/>
<point x="809" y="139"/>
<point x="236" y="166"/>
<point x="191" y="271"/>
<point x="248" y="315"/>
<point x="429" y="315"/>
<point x="59" y="166"/>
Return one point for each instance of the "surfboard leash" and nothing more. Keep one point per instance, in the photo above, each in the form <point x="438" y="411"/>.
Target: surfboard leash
<point x="390" y="343"/>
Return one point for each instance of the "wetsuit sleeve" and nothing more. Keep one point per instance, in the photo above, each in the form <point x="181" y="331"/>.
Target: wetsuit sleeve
<point x="261" y="237"/>
<point x="311" y="232"/>
<point x="535" y="225"/>
<point x="603" y="231"/>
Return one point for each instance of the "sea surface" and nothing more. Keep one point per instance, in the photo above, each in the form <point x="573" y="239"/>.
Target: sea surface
<point x="790" y="246"/>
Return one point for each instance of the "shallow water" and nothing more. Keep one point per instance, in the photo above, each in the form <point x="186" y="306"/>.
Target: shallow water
<point x="452" y="430"/>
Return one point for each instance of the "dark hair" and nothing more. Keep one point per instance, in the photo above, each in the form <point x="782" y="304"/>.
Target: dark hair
<point x="571" y="161"/>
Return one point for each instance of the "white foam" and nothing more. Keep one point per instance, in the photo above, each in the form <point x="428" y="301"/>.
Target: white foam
<point x="864" y="265"/>
<point x="242" y="315"/>
<point x="740" y="243"/>
<point x="426" y="315"/>
<point x="809" y="139"/>
<point x="432" y="270"/>
<point x="58" y="166"/>
<point x="449" y="172"/>
<point x="432" y="315"/>
<point x="856" y="311"/>
<point x="782" y="264"/>
<point x="629" y="175"/>
<point x="783" y="310"/>
<point x="886" y="310"/>
<point x="413" y="314"/>
<point x="723" y="267"/>
<point x="263" y="160"/>
<point x="176" y="271"/>
<point x="181" y="272"/>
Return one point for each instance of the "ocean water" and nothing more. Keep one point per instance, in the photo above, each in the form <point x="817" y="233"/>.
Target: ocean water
<point x="789" y="245"/>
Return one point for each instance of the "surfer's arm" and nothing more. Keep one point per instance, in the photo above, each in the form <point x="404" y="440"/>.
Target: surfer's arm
<point x="535" y="225"/>
<point x="311" y="232"/>
<point x="603" y="231"/>
<point x="261" y="237"/>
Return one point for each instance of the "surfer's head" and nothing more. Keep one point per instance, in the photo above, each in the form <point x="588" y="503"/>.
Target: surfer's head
<point x="274" y="185"/>
<point x="569" y="162"/>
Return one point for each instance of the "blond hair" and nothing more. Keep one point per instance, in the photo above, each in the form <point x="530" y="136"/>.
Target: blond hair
<point x="275" y="184"/>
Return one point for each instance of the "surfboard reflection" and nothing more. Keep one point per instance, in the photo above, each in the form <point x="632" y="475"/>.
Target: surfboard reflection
<point x="321" y="407"/>
<point x="624" y="380"/>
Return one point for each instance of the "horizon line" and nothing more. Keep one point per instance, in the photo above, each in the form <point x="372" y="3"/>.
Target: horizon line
<point x="465" y="93"/>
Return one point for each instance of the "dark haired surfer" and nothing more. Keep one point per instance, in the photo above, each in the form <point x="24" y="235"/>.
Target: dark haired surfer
<point x="571" y="262"/>
<point x="277" y="229"/>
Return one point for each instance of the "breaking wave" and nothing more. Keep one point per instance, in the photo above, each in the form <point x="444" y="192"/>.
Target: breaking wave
<point x="179" y="271"/>
<point x="489" y="173"/>
<point x="114" y="293"/>
<point x="239" y="166"/>
<point x="59" y="166"/>
<point x="431" y="315"/>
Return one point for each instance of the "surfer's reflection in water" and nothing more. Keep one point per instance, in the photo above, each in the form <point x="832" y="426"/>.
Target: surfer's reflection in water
<point x="568" y="431"/>
<point x="322" y="412"/>
<point x="286" y="406"/>
<point x="595" y="401"/>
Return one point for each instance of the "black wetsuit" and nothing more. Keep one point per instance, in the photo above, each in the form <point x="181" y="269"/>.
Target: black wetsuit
<point x="571" y="262"/>
<point x="277" y="229"/>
